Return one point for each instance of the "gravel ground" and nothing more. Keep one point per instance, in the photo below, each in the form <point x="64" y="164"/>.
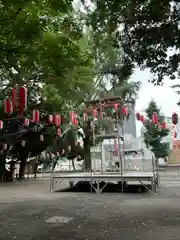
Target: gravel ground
<point x="29" y="212"/>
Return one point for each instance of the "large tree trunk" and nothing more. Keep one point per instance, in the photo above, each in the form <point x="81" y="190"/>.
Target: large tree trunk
<point x="2" y="166"/>
<point x="87" y="159"/>
<point x="22" y="168"/>
<point x="12" y="168"/>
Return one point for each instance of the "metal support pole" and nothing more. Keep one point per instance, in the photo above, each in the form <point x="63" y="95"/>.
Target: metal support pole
<point x="94" y="142"/>
<point x="120" y="157"/>
<point x="101" y="158"/>
<point x="124" y="160"/>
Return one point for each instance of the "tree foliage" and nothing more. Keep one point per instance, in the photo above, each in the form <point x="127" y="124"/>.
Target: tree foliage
<point x="147" y="31"/>
<point x="40" y="46"/>
<point x="44" y="46"/>
<point x="154" y="134"/>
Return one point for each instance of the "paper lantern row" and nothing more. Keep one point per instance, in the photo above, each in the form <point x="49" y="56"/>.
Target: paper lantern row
<point x="155" y="119"/>
<point x="124" y="112"/>
<point x="18" y="101"/>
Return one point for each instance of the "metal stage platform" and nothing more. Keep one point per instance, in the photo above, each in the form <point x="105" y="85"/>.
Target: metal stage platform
<point x="147" y="179"/>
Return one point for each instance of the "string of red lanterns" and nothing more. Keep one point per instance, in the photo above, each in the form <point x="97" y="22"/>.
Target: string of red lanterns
<point x="19" y="102"/>
<point x="155" y="119"/>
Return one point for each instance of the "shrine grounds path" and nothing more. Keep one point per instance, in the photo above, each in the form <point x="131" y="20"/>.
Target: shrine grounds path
<point x="28" y="211"/>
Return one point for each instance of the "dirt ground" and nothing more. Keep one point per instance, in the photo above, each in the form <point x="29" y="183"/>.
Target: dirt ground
<point x="28" y="211"/>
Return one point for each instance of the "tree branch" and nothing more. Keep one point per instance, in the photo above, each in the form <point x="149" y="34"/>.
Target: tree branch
<point x="12" y="17"/>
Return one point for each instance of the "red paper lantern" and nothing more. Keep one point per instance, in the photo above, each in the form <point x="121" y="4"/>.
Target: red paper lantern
<point x="50" y="118"/>
<point x="35" y="116"/>
<point x="26" y="122"/>
<point x="23" y="143"/>
<point x="116" y="106"/>
<point x="155" y="118"/>
<point x="22" y="99"/>
<point x="174" y="118"/>
<point x="138" y="116"/>
<point x="163" y="125"/>
<point x="94" y="113"/>
<point x="57" y="120"/>
<point x="41" y="138"/>
<point x="7" y="106"/>
<point x="142" y="118"/>
<point x="85" y="117"/>
<point x="1" y="124"/>
<point x="73" y="118"/>
<point x="5" y="146"/>
<point x="59" y="132"/>
<point x="124" y="111"/>
<point x="14" y="99"/>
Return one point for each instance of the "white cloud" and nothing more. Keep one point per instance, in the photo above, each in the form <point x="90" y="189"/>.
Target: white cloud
<point x="165" y="96"/>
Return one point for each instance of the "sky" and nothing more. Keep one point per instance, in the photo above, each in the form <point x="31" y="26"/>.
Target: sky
<point x="165" y="96"/>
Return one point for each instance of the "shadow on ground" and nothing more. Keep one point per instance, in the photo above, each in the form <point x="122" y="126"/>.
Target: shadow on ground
<point x="83" y="186"/>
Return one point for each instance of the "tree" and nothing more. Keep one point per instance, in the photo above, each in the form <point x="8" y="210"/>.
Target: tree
<point x="45" y="46"/>
<point x="155" y="134"/>
<point x="46" y="53"/>
<point x="147" y="32"/>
